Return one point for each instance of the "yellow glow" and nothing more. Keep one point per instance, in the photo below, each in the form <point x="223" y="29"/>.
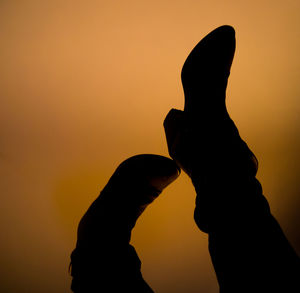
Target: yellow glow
<point x="86" y="84"/>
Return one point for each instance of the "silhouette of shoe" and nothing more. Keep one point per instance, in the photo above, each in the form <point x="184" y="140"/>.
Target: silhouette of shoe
<point x="133" y="186"/>
<point x="205" y="125"/>
<point x="103" y="257"/>
<point x="205" y="73"/>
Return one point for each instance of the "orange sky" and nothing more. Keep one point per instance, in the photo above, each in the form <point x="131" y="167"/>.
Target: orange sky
<point x="86" y="84"/>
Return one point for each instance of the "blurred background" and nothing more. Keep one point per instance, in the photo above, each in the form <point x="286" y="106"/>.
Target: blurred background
<point x="86" y="84"/>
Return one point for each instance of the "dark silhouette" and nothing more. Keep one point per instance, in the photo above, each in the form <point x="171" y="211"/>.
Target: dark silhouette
<point x="248" y="248"/>
<point x="103" y="260"/>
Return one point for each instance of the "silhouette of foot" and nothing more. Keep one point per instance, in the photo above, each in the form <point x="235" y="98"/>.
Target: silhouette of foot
<point x="196" y="133"/>
<point x="202" y="139"/>
<point x="103" y="258"/>
<point x="205" y="73"/>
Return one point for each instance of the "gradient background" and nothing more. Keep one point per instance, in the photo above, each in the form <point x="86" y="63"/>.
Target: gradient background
<point x="86" y="84"/>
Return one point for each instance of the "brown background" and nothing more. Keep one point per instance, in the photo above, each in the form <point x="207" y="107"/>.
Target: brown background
<point x="86" y="84"/>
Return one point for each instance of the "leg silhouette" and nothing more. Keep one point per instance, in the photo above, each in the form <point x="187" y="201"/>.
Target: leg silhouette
<point x="248" y="248"/>
<point x="103" y="260"/>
